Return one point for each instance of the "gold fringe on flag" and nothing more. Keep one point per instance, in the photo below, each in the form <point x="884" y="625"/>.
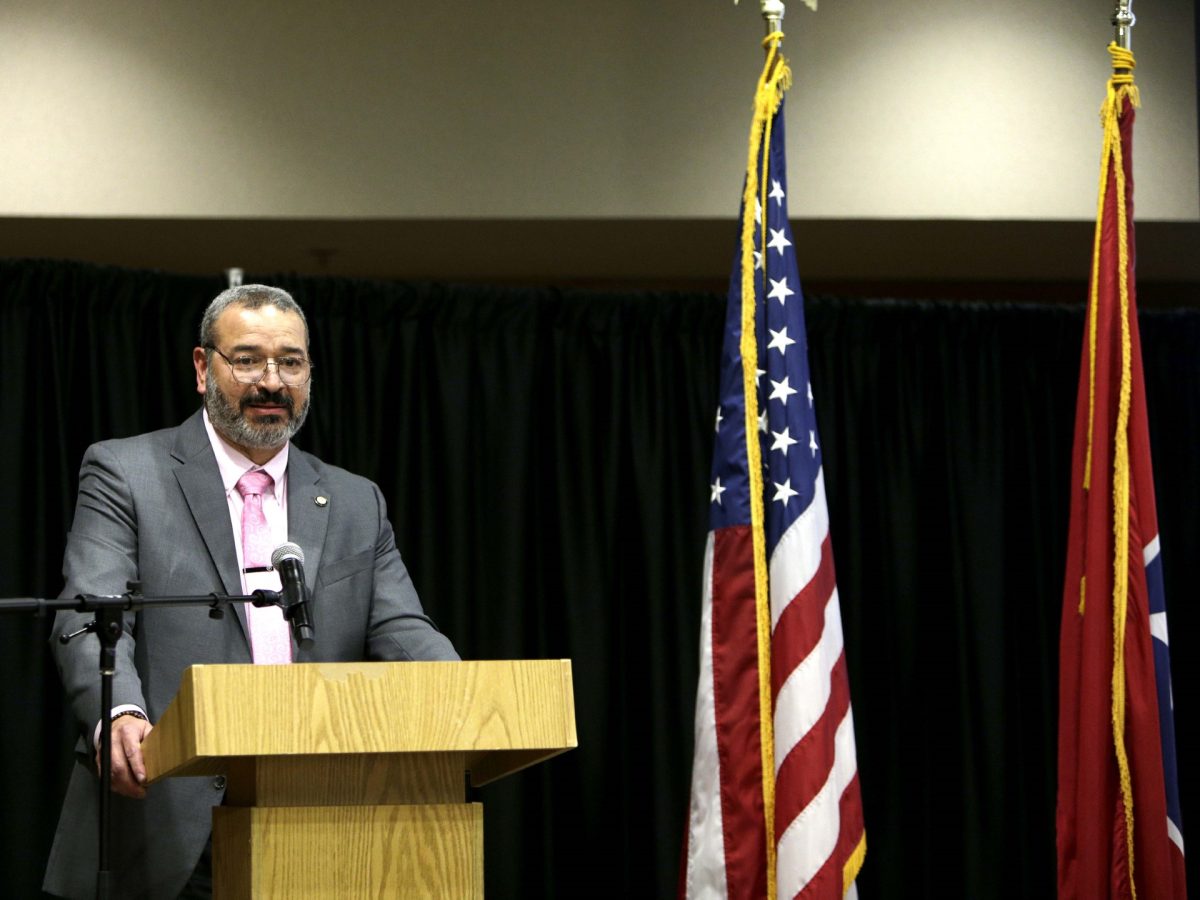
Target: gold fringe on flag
<point x="1121" y="90"/>
<point x="854" y="864"/>
<point x="775" y="79"/>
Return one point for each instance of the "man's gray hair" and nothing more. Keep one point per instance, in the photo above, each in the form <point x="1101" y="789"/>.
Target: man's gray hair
<point x="250" y="296"/>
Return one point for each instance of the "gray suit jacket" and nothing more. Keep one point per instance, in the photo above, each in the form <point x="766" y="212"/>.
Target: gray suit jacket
<point x="152" y="508"/>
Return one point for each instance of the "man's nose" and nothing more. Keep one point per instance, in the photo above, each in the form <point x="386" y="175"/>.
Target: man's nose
<point x="270" y="378"/>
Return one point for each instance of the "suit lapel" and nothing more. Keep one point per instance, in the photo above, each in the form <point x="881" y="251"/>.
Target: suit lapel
<point x="308" y="519"/>
<point x="200" y="480"/>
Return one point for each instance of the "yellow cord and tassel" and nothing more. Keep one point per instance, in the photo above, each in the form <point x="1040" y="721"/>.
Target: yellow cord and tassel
<point x="1121" y="90"/>
<point x="1121" y="87"/>
<point x="775" y="79"/>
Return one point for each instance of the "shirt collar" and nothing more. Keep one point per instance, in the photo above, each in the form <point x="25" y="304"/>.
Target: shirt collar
<point x="234" y="464"/>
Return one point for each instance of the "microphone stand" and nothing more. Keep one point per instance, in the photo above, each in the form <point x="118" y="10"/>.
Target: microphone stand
<point x="108" y="625"/>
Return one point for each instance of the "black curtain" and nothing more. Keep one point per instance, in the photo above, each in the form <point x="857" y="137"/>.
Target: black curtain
<point x="545" y="454"/>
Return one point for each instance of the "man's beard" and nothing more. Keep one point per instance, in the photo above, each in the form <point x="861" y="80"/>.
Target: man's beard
<point x="266" y="434"/>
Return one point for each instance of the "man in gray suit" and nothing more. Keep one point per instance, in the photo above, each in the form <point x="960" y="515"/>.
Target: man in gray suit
<point x="167" y="509"/>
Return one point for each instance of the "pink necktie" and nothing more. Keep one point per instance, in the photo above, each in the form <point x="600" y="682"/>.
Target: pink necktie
<point x="270" y="640"/>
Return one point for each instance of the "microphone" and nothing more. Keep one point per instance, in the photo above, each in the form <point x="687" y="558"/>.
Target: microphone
<point x="288" y="560"/>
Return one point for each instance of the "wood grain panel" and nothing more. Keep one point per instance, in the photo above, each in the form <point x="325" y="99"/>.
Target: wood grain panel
<point x="343" y="779"/>
<point x="348" y="852"/>
<point x="490" y="708"/>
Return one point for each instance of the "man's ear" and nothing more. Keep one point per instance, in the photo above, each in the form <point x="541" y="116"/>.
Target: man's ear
<point x="200" y="361"/>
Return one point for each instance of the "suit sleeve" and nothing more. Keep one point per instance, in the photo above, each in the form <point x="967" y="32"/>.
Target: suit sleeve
<point x="398" y="628"/>
<point x="101" y="557"/>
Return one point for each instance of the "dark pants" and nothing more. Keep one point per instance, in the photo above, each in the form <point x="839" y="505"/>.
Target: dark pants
<point x="200" y="885"/>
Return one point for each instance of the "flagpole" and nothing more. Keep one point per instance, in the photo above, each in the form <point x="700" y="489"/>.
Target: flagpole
<point x="1123" y="21"/>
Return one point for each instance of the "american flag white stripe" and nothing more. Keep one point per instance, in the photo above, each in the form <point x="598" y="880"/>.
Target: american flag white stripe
<point x="705" y="876"/>
<point x="797" y="556"/>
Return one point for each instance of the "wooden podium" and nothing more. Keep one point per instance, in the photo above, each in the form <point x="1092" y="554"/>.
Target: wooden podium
<point x="349" y="779"/>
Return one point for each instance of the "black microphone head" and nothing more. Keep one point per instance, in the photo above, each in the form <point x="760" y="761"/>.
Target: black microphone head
<point x="286" y="551"/>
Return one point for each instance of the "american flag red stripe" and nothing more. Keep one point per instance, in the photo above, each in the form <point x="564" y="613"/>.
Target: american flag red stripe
<point x="735" y="693"/>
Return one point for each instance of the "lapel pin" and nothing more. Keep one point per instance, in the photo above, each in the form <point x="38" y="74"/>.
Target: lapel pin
<point x="321" y="501"/>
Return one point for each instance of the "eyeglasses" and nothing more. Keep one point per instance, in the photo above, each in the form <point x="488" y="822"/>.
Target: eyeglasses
<point x="249" y="369"/>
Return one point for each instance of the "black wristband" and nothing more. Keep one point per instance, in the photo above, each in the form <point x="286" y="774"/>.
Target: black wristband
<point x="137" y="714"/>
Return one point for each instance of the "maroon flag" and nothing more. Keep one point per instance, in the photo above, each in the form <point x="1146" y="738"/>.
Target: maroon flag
<point x="1120" y="833"/>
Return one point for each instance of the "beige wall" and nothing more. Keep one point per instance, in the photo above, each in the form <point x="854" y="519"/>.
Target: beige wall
<point x="619" y="108"/>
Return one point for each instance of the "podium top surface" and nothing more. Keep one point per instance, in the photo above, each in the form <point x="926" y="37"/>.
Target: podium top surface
<point x="503" y="713"/>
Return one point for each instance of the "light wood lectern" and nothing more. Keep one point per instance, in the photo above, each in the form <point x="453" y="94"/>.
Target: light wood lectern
<point x="349" y="779"/>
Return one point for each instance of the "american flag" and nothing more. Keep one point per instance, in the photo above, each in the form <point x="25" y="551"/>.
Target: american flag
<point x="809" y="775"/>
<point x="1120" y="830"/>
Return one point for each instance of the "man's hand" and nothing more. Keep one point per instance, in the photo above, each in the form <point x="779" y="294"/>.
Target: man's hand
<point x="128" y="769"/>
